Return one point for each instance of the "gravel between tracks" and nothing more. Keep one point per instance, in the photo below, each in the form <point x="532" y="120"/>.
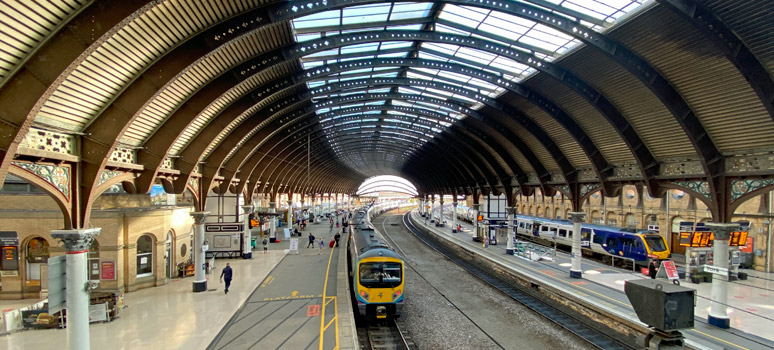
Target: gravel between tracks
<point x="434" y="323"/>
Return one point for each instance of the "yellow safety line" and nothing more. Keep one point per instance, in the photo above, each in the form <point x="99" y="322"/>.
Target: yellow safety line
<point x="325" y="290"/>
<point x="718" y="339"/>
<point x="602" y="295"/>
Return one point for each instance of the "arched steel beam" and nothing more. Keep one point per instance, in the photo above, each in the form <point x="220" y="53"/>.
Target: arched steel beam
<point x="237" y="157"/>
<point x="269" y="166"/>
<point x="266" y="131"/>
<point x="28" y="82"/>
<point x="467" y="166"/>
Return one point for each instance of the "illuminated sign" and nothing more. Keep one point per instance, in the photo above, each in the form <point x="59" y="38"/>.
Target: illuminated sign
<point x="706" y="239"/>
<point x="9" y="258"/>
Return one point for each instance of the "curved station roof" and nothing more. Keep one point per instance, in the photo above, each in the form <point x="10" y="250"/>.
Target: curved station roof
<point x="459" y="97"/>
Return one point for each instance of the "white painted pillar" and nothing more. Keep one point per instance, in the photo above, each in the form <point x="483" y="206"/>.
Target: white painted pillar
<point x="290" y="211"/>
<point x="476" y="208"/>
<point x="273" y="221"/>
<point x="718" y="314"/>
<point x="200" y="280"/>
<point x="432" y="207"/>
<point x="511" y="227"/>
<point x="576" y="254"/>
<point x="440" y="210"/>
<point x="247" y="251"/>
<point x="77" y="243"/>
<point x="454" y="216"/>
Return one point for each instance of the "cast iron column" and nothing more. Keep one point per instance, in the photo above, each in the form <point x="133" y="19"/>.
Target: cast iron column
<point x="718" y="314"/>
<point x="440" y="209"/>
<point x="577" y="219"/>
<point x="476" y="208"/>
<point x="200" y="280"/>
<point x="454" y="216"/>
<point x="511" y="227"/>
<point x="432" y="207"/>
<point x="77" y="243"/>
<point x="290" y="211"/>
<point x="273" y="224"/>
<point x="247" y="252"/>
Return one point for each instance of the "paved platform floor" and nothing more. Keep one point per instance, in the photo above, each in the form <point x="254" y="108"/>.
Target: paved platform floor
<point x="173" y="317"/>
<point x="751" y="301"/>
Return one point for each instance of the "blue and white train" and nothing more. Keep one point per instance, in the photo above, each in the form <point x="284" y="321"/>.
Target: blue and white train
<point x="639" y="245"/>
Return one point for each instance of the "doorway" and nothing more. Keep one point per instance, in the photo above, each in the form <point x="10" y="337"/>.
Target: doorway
<point x="168" y="254"/>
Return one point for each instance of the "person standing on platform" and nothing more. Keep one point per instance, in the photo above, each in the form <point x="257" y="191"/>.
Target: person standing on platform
<point x="311" y="241"/>
<point x="337" y="237"/>
<point x="265" y="245"/>
<point x="226" y="275"/>
<point x="653" y="268"/>
<point x="321" y="244"/>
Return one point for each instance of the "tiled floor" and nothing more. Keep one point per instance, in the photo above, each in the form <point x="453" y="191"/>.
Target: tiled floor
<point x="166" y="317"/>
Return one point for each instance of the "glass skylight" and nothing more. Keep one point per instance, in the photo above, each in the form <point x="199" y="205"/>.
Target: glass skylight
<point x="517" y="33"/>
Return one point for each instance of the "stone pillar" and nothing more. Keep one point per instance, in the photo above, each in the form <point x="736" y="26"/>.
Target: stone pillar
<point x="200" y="281"/>
<point x="511" y="227"/>
<point x="247" y="252"/>
<point x="77" y="243"/>
<point x="576" y="254"/>
<point x="454" y="216"/>
<point x="273" y="224"/>
<point x="718" y="314"/>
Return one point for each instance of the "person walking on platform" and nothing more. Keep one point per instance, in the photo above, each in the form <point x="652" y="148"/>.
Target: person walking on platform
<point x="321" y="244"/>
<point x="226" y="275"/>
<point x="311" y="241"/>
<point x="265" y="245"/>
<point x="337" y="237"/>
<point x="331" y="230"/>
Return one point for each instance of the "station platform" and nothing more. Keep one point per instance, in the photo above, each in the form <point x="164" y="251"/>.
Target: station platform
<point x="751" y="302"/>
<point x="260" y="308"/>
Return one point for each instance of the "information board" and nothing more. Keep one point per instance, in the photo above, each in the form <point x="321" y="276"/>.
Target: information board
<point x="9" y="258"/>
<point x="671" y="269"/>
<point x="108" y="270"/>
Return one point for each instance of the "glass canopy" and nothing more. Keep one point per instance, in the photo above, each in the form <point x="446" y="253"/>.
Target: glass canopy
<point x="388" y="111"/>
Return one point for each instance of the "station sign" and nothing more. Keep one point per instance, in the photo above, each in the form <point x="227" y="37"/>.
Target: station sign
<point x="715" y="270"/>
<point x="704" y="239"/>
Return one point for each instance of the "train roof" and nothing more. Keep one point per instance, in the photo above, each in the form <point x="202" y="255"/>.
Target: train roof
<point x="585" y="225"/>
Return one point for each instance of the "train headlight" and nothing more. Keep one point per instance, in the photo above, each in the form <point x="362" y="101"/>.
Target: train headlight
<point x="364" y="295"/>
<point x="396" y="295"/>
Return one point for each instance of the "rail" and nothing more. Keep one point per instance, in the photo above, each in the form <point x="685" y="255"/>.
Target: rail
<point x="386" y="336"/>
<point x="573" y="324"/>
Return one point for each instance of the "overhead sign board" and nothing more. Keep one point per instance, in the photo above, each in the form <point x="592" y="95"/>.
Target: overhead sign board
<point x="9" y="238"/>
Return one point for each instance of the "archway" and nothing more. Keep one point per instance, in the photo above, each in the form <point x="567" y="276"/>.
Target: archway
<point x="36" y="254"/>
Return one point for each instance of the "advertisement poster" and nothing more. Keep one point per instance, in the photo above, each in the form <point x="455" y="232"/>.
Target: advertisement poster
<point x="108" y="270"/>
<point x="38" y="319"/>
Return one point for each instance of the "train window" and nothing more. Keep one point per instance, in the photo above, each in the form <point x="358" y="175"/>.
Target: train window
<point x="521" y="224"/>
<point x="562" y="233"/>
<point x="380" y="275"/>
<point x="611" y="242"/>
<point x="655" y="242"/>
<point x="598" y="239"/>
<point x="585" y="234"/>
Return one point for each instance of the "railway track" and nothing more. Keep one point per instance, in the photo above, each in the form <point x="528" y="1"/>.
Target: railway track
<point x="383" y="336"/>
<point x="593" y="336"/>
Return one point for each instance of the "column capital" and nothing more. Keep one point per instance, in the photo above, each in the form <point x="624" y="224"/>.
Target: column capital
<point x="455" y="204"/>
<point x="511" y="210"/>
<point x="476" y="206"/>
<point x="272" y="204"/>
<point x="77" y="240"/>
<point x="577" y="216"/>
<point x="246" y="208"/>
<point x="721" y="231"/>
<point x="200" y="216"/>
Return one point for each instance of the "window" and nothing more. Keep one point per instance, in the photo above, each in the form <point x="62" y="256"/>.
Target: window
<point x="562" y="233"/>
<point x="655" y="242"/>
<point x="380" y="275"/>
<point x="599" y="239"/>
<point x="144" y="256"/>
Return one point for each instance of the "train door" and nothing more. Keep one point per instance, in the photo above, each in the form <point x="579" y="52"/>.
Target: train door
<point x="586" y="237"/>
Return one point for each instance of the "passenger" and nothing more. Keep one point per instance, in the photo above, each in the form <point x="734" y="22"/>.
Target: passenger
<point x="653" y="268"/>
<point x="337" y="237"/>
<point x="265" y="245"/>
<point x="227" y="273"/>
<point x="321" y="244"/>
<point x="311" y="241"/>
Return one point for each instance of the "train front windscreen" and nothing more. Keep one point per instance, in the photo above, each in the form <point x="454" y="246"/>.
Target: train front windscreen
<point x="380" y="274"/>
<point x="656" y="243"/>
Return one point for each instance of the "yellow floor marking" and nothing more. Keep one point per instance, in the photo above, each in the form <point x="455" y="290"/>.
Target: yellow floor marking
<point x="322" y="315"/>
<point x="268" y="281"/>
<point x="718" y="339"/>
